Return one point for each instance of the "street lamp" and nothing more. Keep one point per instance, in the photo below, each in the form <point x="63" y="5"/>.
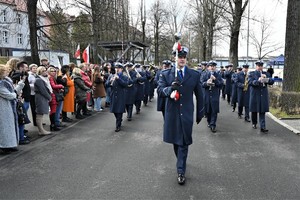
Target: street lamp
<point x="248" y="31"/>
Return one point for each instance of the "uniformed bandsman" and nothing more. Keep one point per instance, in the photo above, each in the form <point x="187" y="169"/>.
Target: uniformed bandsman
<point x="118" y="82"/>
<point x="222" y="74"/>
<point x="162" y="100"/>
<point x="130" y="90"/>
<point x="243" y="93"/>
<point x="234" y="98"/>
<point x="227" y="75"/>
<point x="212" y="83"/>
<point x="179" y="108"/>
<point x="259" y="97"/>
<point x="141" y="78"/>
<point x="147" y="74"/>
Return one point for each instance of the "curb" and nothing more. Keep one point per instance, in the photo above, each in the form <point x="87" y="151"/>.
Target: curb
<point x="296" y="131"/>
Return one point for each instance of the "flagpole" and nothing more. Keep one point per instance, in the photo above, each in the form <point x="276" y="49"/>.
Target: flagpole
<point x="248" y="32"/>
<point x="177" y="38"/>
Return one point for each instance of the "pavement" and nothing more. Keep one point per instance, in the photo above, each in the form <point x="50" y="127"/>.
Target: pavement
<point x="88" y="160"/>
<point x="292" y="124"/>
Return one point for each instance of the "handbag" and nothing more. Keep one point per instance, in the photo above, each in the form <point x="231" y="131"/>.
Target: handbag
<point x="20" y="112"/>
<point x="66" y="90"/>
<point x="59" y="96"/>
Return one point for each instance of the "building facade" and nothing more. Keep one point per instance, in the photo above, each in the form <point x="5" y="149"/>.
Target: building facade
<point x="14" y="28"/>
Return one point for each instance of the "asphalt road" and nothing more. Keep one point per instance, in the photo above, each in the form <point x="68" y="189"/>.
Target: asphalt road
<point x="88" y="160"/>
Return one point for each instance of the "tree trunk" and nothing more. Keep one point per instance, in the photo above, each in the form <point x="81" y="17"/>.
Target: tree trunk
<point x="237" y="14"/>
<point x="95" y="26"/>
<point x="292" y="48"/>
<point x="32" y="21"/>
<point x="234" y="48"/>
<point x="156" y="45"/>
<point x="210" y="42"/>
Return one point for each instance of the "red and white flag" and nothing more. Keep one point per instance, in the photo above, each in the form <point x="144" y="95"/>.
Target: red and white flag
<point x="177" y="46"/>
<point x="86" y="54"/>
<point x="77" y="52"/>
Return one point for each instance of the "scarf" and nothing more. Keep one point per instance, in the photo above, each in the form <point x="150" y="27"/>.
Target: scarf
<point x="46" y="80"/>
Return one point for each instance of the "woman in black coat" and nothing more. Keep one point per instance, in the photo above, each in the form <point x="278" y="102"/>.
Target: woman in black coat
<point x="80" y="92"/>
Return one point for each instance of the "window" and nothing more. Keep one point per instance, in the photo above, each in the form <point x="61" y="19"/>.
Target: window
<point x="19" y="18"/>
<point x="5" y="36"/>
<point x="4" y="15"/>
<point x="20" y="38"/>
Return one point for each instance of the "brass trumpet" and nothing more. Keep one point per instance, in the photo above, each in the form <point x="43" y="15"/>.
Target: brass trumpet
<point x="128" y="75"/>
<point x="138" y="75"/>
<point x="113" y="78"/>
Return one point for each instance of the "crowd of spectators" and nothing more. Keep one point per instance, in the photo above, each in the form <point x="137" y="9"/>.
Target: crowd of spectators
<point x="47" y="90"/>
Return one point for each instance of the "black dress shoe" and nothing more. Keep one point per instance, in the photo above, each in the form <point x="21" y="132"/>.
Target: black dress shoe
<point x="79" y="117"/>
<point x="240" y="116"/>
<point x="24" y="142"/>
<point x="129" y="118"/>
<point x="54" y="128"/>
<point x="247" y="120"/>
<point x="263" y="130"/>
<point x="208" y="125"/>
<point x="25" y="131"/>
<point x="233" y="109"/>
<point x="67" y="119"/>
<point x="9" y="150"/>
<point x="254" y="126"/>
<point x="181" y="179"/>
<point x="87" y="114"/>
<point x="117" y="129"/>
<point x="213" y="129"/>
<point x="61" y="125"/>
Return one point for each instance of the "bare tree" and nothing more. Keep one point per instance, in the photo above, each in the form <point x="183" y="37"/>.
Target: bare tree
<point x="292" y="49"/>
<point x="205" y="23"/>
<point x="32" y="21"/>
<point x="236" y="10"/>
<point x="158" y="17"/>
<point x="261" y="40"/>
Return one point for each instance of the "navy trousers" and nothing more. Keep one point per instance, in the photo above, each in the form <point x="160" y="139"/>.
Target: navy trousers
<point x="118" y="119"/>
<point x="262" y="119"/>
<point x="181" y="153"/>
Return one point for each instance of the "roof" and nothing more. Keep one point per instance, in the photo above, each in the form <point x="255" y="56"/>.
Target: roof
<point x="20" y="5"/>
<point x="115" y="46"/>
<point x="279" y="60"/>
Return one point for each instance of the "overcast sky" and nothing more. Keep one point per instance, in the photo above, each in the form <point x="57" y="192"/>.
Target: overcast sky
<point x="273" y="10"/>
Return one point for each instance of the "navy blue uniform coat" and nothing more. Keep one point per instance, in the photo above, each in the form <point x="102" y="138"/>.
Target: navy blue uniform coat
<point x="179" y="117"/>
<point x="140" y="83"/>
<point x="212" y="96"/>
<point x="117" y="95"/>
<point x="259" y="97"/>
<point x="243" y="96"/>
<point x="160" y="100"/>
<point x="228" y="88"/>
<point x="234" y="97"/>
<point x="130" y="90"/>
